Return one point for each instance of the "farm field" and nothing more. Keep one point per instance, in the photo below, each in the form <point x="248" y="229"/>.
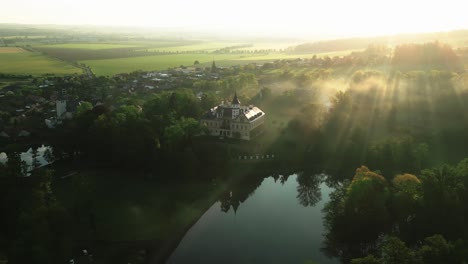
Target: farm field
<point x="19" y="61"/>
<point x="109" y="58"/>
<point x="269" y="46"/>
<point x="203" y="46"/>
<point x="161" y="62"/>
<point x="88" y="46"/>
<point x="157" y="62"/>
<point x="282" y="56"/>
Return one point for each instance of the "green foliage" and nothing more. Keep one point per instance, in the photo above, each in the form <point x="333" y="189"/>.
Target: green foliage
<point x="436" y="250"/>
<point x="37" y="222"/>
<point x="366" y="260"/>
<point x="433" y="54"/>
<point x="83" y="108"/>
<point x="394" y="251"/>
<point x="411" y="208"/>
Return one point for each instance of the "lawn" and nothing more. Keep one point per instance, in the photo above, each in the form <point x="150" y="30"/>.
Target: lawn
<point x="19" y="61"/>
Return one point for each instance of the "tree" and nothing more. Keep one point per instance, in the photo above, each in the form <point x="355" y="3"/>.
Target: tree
<point x="366" y="203"/>
<point x="437" y="250"/>
<point x="42" y="228"/>
<point x="35" y="162"/>
<point x="366" y="260"/>
<point x="83" y="107"/>
<point x="394" y="251"/>
<point x="48" y="155"/>
<point x="308" y="189"/>
<point x="407" y="196"/>
<point x="213" y="67"/>
<point x="14" y="164"/>
<point x="444" y="189"/>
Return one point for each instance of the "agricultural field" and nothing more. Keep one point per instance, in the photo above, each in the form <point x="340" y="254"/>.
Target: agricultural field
<point x="273" y="45"/>
<point x="109" y="58"/>
<point x="203" y="46"/>
<point x="15" y="60"/>
<point x="161" y="62"/>
<point x="88" y="46"/>
<point x="157" y="62"/>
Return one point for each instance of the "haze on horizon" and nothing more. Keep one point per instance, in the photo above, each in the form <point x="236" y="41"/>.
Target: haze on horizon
<point x="293" y="18"/>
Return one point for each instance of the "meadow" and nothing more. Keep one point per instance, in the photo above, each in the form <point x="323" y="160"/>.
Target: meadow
<point x="15" y="60"/>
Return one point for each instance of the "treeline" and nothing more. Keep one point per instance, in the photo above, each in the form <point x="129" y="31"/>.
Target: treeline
<point x="428" y="54"/>
<point x="331" y="45"/>
<point x="139" y="138"/>
<point x="35" y="227"/>
<point x="453" y="37"/>
<point x="397" y="122"/>
<point x="405" y="219"/>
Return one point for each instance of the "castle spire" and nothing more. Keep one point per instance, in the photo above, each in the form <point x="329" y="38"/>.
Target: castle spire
<point x="235" y="100"/>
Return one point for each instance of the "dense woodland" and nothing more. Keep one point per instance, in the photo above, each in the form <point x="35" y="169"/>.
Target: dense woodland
<point x="399" y="125"/>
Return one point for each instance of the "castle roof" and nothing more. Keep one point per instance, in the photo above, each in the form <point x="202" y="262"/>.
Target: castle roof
<point x="235" y="100"/>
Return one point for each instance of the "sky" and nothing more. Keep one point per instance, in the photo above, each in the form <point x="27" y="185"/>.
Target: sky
<point x="326" y="18"/>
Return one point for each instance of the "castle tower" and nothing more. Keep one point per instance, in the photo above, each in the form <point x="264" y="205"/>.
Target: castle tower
<point x="61" y="108"/>
<point x="235" y="101"/>
<point x="235" y="105"/>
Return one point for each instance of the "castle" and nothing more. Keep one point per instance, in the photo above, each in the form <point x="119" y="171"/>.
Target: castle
<point x="234" y="121"/>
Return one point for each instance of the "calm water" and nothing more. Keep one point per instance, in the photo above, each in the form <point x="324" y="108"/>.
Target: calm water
<point x="27" y="156"/>
<point x="270" y="226"/>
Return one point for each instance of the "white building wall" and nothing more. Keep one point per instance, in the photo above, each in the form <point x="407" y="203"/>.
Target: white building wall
<point x="61" y="108"/>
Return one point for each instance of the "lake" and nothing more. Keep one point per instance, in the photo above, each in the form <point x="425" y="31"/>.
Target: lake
<point x="28" y="156"/>
<point x="278" y="222"/>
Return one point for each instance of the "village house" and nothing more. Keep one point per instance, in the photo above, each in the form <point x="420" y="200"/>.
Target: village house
<point x="234" y="120"/>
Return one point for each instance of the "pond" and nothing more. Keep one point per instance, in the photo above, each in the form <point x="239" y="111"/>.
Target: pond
<point x="278" y="221"/>
<point x="28" y="156"/>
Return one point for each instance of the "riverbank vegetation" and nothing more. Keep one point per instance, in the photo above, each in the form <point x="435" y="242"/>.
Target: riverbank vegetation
<point x="408" y="219"/>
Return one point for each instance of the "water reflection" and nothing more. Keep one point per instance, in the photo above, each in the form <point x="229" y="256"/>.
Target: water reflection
<point x="276" y="219"/>
<point x="43" y="156"/>
<point x="308" y="190"/>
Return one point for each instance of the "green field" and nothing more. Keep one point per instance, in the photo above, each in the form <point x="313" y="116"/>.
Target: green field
<point x="22" y="62"/>
<point x="205" y="46"/>
<point x="23" y="37"/>
<point x="156" y="62"/>
<point x="212" y="46"/>
<point x="109" y="58"/>
<point x="88" y="46"/>
<point x="161" y="62"/>
<point x="269" y="46"/>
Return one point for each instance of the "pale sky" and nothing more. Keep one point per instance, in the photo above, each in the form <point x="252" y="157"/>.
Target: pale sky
<point x="305" y="18"/>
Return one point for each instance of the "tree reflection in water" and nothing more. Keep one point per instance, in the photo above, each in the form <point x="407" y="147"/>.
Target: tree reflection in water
<point x="308" y="190"/>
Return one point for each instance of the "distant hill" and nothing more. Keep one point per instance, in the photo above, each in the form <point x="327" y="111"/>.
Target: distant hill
<point x="457" y="38"/>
